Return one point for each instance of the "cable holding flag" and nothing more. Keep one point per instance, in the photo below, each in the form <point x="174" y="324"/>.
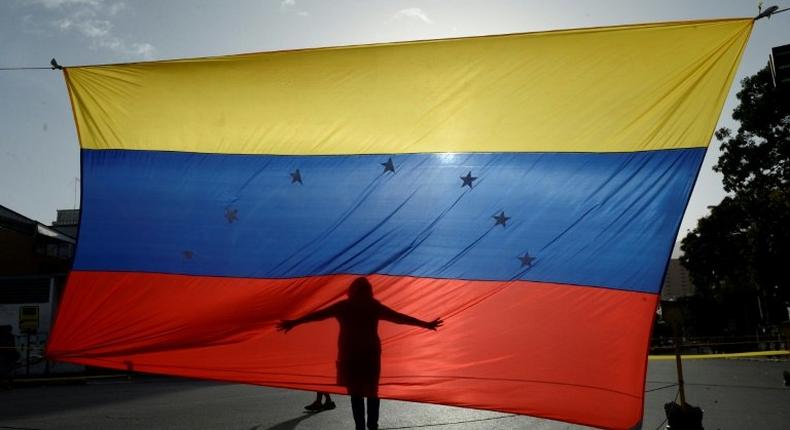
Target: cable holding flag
<point x="772" y="10"/>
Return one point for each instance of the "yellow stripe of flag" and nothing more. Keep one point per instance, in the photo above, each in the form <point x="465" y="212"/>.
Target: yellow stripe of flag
<point x="612" y="89"/>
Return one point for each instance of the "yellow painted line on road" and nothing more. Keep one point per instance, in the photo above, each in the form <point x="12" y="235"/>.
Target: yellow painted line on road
<point x="732" y="355"/>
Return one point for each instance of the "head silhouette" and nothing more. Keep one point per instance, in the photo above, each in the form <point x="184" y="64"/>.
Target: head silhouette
<point x="360" y="290"/>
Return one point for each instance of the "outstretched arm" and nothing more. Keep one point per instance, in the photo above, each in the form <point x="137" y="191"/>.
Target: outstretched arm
<point x="321" y="314"/>
<point x="399" y="318"/>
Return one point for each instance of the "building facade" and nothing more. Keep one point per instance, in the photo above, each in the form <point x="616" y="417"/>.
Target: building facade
<point x="34" y="262"/>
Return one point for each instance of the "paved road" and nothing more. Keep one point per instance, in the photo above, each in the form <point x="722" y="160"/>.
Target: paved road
<point x="735" y="394"/>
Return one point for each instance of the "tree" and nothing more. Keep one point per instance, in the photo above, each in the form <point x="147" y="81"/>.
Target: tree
<point x="739" y="255"/>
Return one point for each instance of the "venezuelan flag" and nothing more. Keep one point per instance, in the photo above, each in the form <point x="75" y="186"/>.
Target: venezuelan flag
<point x="527" y="188"/>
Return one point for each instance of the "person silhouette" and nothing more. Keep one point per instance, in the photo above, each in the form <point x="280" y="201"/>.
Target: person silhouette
<point x="359" y="346"/>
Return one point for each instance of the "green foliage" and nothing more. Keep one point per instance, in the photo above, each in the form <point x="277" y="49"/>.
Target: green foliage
<point x="757" y="158"/>
<point x="741" y="251"/>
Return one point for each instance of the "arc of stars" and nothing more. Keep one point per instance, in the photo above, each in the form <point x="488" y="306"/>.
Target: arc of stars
<point x="232" y="214"/>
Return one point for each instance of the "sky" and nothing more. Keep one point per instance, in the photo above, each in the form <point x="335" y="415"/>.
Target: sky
<point x="39" y="151"/>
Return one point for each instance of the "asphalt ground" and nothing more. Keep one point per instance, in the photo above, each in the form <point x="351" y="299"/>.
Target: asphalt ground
<point x="735" y="394"/>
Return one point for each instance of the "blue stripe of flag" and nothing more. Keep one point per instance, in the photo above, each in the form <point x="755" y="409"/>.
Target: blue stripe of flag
<point x="606" y="220"/>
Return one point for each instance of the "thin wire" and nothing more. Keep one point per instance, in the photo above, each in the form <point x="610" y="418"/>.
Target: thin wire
<point x="6" y="69"/>
<point x="781" y="10"/>
<point x="26" y="68"/>
<point x="18" y="428"/>
<point x="660" y="388"/>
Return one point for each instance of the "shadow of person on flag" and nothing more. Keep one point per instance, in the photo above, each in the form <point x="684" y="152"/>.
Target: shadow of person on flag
<point x="359" y="346"/>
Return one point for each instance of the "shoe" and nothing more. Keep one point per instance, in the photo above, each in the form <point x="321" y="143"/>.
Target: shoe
<point x="328" y="406"/>
<point x="314" y="407"/>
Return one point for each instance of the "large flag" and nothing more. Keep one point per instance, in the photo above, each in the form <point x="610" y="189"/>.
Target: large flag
<point x="526" y="188"/>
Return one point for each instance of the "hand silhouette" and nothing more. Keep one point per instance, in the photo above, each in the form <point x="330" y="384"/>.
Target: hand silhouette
<point x="285" y="325"/>
<point x="433" y="325"/>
